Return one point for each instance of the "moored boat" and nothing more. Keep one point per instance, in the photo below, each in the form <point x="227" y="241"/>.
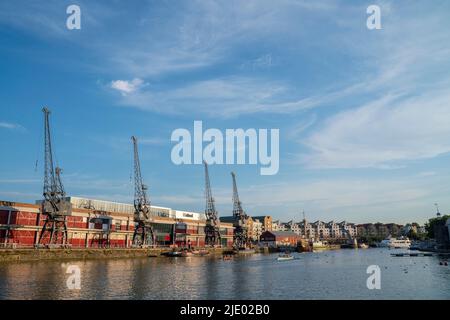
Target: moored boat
<point x="200" y="253"/>
<point x="173" y="254"/>
<point x="285" y="257"/>
<point x="396" y="243"/>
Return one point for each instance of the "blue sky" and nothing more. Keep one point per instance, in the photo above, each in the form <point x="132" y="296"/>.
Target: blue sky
<point x="363" y="114"/>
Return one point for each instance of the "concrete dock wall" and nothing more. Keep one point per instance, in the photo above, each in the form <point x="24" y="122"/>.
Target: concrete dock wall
<point x="7" y="255"/>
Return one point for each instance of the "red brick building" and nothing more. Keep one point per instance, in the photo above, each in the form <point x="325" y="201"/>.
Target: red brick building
<point x="279" y="238"/>
<point x="21" y="223"/>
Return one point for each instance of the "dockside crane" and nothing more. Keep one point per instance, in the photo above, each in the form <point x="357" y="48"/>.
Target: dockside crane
<point x="54" y="206"/>
<point x="212" y="229"/>
<point x="143" y="232"/>
<point x="240" y="239"/>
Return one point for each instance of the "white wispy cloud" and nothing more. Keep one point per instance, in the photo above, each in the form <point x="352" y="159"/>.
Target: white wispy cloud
<point x="227" y="97"/>
<point x="405" y="116"/>
<point x="11" y="126"/>
<point x="126" y="87"/>
<point x="388" y="131"/>
<point x="120" y="143"/>
<point x="356" y="199"/>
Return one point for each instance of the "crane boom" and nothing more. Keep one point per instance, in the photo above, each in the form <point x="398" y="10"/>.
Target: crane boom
<point x="143" y="233"/>
<point x="240" y="239"/>
<point x="212" y="231"/>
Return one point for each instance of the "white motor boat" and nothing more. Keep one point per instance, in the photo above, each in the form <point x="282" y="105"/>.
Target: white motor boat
<point x="285" y="257"/>
<point x="396" y="243"/>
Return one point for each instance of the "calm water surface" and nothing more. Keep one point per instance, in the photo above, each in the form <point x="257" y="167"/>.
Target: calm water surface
<point x="337" y="274"/>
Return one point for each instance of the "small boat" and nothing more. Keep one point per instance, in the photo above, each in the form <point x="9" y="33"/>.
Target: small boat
<point x="173" y="254"/>
<point x="397" y="254"/>
<point x="200" y="253"/>
<point x="285" y="257"/>
<point x="363" y="246"/>
<point x="319" y="244"/>
<point x="415" y="245"/>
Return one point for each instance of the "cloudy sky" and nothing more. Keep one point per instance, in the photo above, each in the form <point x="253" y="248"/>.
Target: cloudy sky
<point x="364" y="115"/>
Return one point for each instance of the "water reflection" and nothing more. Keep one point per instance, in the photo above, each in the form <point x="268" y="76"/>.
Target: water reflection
<point x="326" y="275"/>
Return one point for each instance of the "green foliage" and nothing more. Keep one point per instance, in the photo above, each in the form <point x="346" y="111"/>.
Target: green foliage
<point x="429" y="226"/>
<point x="413" y="235"/>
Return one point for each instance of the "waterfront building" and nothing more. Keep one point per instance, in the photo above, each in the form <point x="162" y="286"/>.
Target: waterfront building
<point x="257" y="229"/>
<point x="275" y="225"/>
<point x="412" y="228"/>
<point x="250" y="229"/>
<point x="321" y="230"/>
<point x="266" y="222"/>
<point x="307" y="231"/>
<point x="97" y="223"/>
<point x="348" y="229"/>
<point x="379" y="230"/>
<point x="254" y="226"/>
<point x="334" y="230"/>
<point x="296" y="228"/>
<point x="284" y="226"/>
<point x="279" y="239"/>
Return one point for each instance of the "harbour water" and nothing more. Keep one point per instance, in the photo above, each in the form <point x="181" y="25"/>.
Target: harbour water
<point x="339" y="274"/>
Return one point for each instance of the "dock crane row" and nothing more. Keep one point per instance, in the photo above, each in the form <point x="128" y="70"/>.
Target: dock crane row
<point x="143" y="233"/>
<point x="54" y="206"/>
<point x="240" y="239"/>
<point x="212" y="229"/>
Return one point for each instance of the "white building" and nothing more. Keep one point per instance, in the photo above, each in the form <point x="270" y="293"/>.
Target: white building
<point x="284" y="226"/>
<point x="257" y="227"/>
<point x="116" y="207"/>
<point x="275" y="225"/>
<point x="296" y="228"/>
<point x="334" y="229"/>
<point x="348" y="229"/>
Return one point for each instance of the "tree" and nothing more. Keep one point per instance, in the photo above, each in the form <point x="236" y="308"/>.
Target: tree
<point x="433" y="222"/>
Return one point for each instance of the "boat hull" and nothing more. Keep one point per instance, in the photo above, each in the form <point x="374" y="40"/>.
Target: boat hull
<point x="285" y="259"/>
